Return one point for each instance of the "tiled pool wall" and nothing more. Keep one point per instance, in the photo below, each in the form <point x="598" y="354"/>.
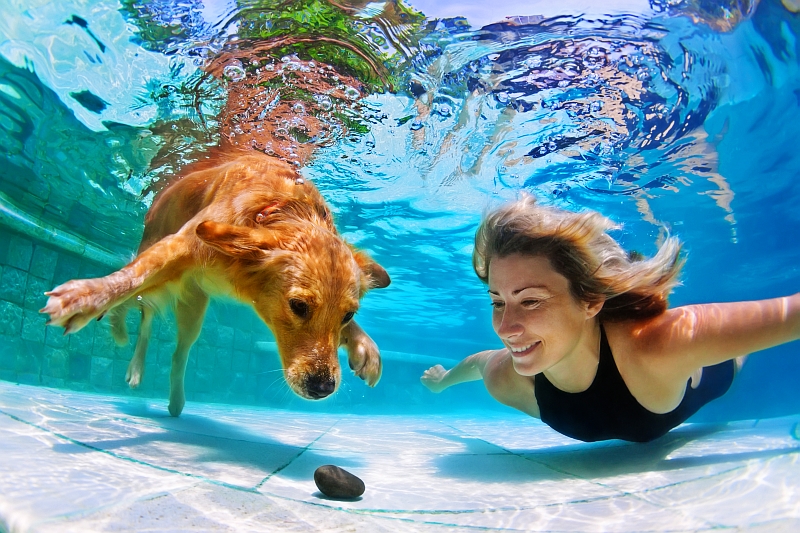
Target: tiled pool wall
<point x="233" y="361"/>
<point x="226" y="363"/>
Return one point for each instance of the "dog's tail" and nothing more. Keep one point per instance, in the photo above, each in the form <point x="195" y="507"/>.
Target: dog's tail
<point x="119" y="327"/>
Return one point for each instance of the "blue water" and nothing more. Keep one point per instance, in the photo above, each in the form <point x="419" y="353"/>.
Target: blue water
<point x="676" y="117"/>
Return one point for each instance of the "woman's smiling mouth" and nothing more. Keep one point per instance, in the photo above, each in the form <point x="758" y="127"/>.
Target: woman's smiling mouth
<point x="520" y="351"/>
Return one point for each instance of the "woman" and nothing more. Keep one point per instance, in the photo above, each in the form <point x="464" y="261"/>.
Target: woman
<point x="591" y="347"/>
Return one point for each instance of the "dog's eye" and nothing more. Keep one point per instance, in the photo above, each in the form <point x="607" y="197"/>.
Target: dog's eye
<point x="348" y="317"/>
<point x="299" y="308"/>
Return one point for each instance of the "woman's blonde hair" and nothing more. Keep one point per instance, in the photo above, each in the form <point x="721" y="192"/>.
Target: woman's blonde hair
<point x="580" y="249"/>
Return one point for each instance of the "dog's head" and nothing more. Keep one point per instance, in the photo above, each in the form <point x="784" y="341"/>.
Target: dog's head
<point x="306" y="283"/>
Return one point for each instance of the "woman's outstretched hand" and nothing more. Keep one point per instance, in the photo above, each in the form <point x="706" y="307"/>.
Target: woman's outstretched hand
<point x="432" y="378"/>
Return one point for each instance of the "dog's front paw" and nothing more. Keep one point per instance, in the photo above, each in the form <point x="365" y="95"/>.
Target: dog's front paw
<point x="73" y="304"/>
<point x="365" y="359"/>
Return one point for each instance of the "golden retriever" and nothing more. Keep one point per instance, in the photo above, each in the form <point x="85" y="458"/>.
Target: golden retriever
<point x="246" y="225"/>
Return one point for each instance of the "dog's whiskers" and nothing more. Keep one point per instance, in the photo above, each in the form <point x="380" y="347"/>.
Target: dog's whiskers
<point x="268" y="372"/>
<point x="287" y="395"/>
<point x="279" y="381"/>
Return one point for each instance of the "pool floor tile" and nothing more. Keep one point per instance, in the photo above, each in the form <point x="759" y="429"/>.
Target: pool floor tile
<point x="82" y="462"/>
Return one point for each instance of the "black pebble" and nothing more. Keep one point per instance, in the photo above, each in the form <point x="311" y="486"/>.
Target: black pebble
<point x="335" y="482"/>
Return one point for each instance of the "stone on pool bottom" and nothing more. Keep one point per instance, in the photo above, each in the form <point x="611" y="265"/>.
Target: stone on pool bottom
<point x="335" y="482"/>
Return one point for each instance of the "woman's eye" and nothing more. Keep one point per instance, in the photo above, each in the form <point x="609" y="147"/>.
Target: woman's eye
<point x="531" y="303"/>
<point x="299" y="308"/>
<point x="498" y="305"/>
<point x="348" y="317"/>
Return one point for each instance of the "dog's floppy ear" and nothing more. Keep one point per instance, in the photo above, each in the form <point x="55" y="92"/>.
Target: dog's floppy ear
<point x="235" y="240"/>
<point x="378" y="277"/>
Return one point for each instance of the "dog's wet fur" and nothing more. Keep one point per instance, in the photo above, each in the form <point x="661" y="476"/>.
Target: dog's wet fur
<point x="248" y="226"/>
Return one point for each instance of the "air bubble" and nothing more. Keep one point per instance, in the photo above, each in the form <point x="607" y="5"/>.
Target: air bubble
<point x="324" y="101"/>
<point x="234" y="72"/>
<point x="352" y="93"/>
<point x="533" y="62"/>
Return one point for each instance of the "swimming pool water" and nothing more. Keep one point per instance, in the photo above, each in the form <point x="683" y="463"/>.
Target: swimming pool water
<point x="677" y="117"/>
<point x="664" y="117"/>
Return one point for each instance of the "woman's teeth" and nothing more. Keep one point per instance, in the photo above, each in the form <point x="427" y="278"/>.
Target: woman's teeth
<point x="521" y="348"/>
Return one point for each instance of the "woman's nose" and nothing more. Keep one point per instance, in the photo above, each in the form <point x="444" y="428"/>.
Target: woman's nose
<point x="509" y="324"/>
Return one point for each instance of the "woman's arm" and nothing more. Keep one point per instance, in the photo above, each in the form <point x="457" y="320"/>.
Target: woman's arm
<point x="470" y="368"/>
<point x="694" y="336"/>
<point x="497" y="370"/>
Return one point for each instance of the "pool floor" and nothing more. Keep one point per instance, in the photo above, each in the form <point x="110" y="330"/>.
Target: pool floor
<point x="82" y="462"/>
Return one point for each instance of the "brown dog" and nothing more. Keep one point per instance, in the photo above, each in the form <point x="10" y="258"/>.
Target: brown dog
<point x="246" y="226"/>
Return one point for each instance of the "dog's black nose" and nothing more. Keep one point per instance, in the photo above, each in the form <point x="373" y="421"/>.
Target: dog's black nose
<point x="319" y="387"/>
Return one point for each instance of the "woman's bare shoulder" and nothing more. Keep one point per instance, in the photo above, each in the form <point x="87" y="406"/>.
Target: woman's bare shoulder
<point x="652" y="335"/>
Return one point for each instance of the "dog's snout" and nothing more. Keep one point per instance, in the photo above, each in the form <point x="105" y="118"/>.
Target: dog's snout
<point x="319" y="387"/>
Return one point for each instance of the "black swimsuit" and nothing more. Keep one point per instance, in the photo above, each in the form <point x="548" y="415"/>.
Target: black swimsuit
<point x="607" y="409"/>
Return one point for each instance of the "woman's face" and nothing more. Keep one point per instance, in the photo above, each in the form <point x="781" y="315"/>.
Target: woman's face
<point x="535" y="315"/>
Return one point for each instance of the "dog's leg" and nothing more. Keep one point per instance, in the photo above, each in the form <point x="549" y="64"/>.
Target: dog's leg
<point x="119" y="329"/>
<point x="74" y="303"/>
<point x="135" y="371"/>
<point x="189" y="313"/>
<point x="363" y="354"/>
